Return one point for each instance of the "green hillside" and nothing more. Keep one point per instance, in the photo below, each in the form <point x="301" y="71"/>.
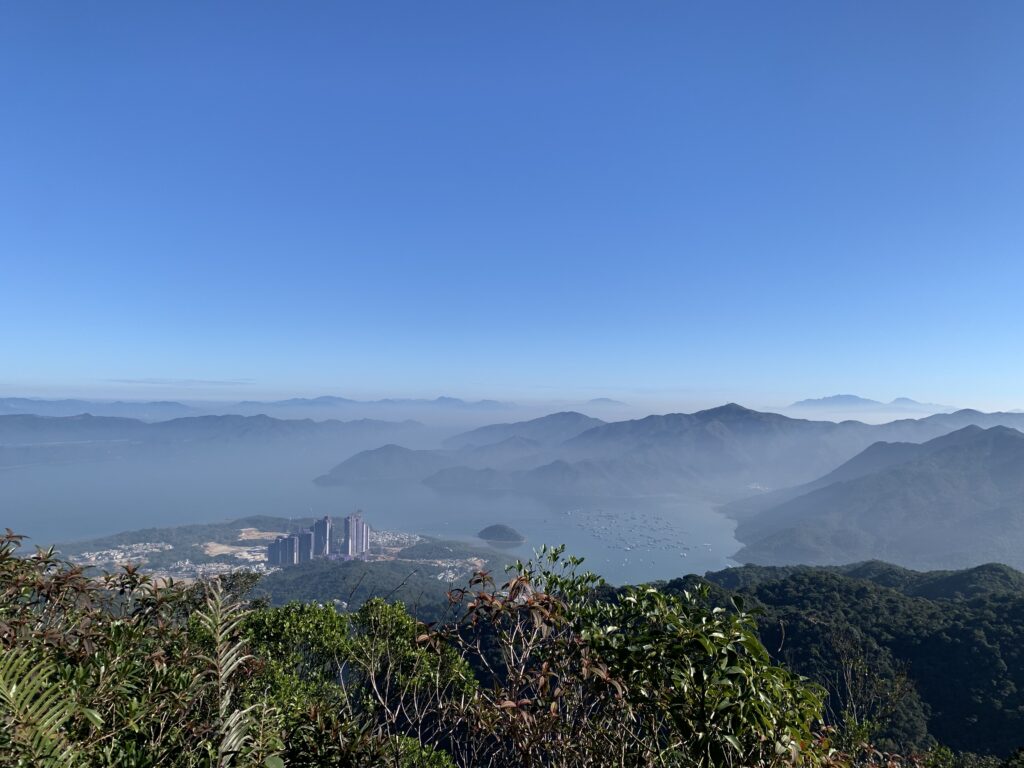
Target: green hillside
<point x="943" y="651"/>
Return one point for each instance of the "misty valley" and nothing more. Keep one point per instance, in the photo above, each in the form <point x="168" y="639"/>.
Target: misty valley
<point x="640" y="499"/>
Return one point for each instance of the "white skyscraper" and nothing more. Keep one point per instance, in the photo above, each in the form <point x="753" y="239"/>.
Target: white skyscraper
<point x="357" y="535"/>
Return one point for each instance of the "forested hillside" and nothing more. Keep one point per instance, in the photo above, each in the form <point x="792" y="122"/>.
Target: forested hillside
<point x="928" y="657"/>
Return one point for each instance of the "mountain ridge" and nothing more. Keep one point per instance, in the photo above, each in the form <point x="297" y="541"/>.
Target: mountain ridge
<point x="858" y="402"/>
<point x="958" y="499"/>
<point x="720" y="453"/>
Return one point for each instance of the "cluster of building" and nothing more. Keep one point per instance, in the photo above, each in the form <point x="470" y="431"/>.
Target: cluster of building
<point x="126" y="553"/>
<point x="188" y="571"/>
<point x="316" y="542"/>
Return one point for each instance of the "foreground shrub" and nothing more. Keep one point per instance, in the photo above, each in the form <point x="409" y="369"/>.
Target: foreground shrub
<point x="112" y="672"/>
<point x="531" y="670"/>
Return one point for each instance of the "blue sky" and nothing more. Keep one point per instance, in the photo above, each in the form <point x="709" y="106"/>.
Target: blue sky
<point x="677" y="201"/>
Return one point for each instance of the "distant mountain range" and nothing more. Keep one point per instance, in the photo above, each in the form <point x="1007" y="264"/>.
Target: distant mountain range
<point x="34" y="429"/>
<point x="720" y="453"/>
<point x="956" y="500"/>
<point x="147" y="411"/>
<point x="504" y="446"/>
<point x="386" y="464"/>
<point x="30" y="439"/>
<point x="855" y="402"/>
<point x="547" y="430"/>
<point x="331" y="401"/>
<point x="321" y="407"/>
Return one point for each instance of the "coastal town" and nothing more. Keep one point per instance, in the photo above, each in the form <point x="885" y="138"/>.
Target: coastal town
<point x="267" y="551"/>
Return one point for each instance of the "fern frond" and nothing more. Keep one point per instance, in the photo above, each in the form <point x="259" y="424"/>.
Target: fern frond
<point x="33" y="710"/>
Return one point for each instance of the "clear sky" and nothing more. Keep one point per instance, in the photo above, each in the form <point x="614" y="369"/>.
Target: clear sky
<point x="756" y="201"/>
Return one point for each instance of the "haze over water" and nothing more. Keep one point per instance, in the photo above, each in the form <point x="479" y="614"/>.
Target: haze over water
<point x="127" y="495"/>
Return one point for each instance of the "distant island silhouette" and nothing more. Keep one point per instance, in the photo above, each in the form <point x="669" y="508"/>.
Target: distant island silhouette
<point x="501" y="534"/>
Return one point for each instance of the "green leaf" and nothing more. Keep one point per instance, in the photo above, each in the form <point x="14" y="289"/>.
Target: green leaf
<point x="93" y="717"/>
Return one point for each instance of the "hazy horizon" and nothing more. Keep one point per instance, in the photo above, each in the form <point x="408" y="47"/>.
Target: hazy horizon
<point x="628" y="403"/>
<point x="607" y="203"/>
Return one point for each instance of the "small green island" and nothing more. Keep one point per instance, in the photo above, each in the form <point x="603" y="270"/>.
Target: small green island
<point x="501" y="534"/>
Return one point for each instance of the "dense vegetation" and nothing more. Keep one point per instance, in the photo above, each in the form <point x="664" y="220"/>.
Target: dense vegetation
<point x="940" y="653"/>
<point x="917" y="658"/>
<point x="544" y="667"/>
<point x="531" y="671"/>
<point x="351" y="584"/>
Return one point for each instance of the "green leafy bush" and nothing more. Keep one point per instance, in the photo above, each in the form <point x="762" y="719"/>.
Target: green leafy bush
<point x="545" y="667"/>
